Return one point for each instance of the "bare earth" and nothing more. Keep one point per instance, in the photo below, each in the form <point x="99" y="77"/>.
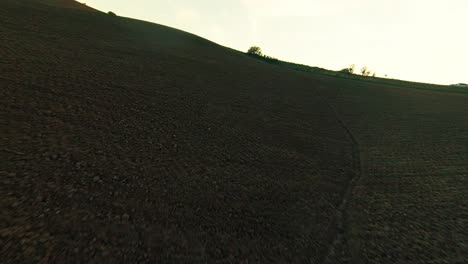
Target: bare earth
<point x="126" y="142"/>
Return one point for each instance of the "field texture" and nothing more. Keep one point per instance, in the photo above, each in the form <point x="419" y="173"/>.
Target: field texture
<point x="124" y="141"/>
<point x="410" y="204"/>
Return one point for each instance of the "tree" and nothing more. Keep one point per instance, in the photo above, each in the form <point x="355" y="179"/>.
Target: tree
<point x="350" y="69"/>
<point x="255" y="50"/>
<point x="365" y="71"/>
<point x="111" y="13"/>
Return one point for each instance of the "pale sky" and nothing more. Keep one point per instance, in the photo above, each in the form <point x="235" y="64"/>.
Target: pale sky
<point x="417" y="40"/>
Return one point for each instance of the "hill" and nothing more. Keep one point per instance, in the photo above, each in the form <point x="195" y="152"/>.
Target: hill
<point x="127" y="141"/>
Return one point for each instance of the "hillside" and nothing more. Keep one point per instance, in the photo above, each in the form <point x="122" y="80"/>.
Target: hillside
<point x="127" y="141"/>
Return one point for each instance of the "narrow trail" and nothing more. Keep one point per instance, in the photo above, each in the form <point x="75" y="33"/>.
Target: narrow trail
<point x="345" y="230"/>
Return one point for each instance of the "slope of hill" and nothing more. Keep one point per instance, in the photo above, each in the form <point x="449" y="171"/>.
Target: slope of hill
<point x="129" y="141"/>
<point x="409" y="205"/>
<point x="69" y="4"/>
<point x="126" y="141"/>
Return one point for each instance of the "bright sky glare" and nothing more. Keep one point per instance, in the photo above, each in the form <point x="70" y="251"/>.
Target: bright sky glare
<point x="417" y="40"/>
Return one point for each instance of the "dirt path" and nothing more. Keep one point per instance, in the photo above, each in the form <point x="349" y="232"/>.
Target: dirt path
<point x="409" y="204"/>
<point x="342" y="249"/>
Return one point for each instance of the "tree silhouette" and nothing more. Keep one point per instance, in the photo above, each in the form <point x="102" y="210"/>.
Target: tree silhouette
<point x="350" y="69"/>
<point x="365" y="71"/>
<point x="255" y="50"/>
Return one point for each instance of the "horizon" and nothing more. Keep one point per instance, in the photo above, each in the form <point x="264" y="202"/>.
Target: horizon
<point x="386" y="37"/>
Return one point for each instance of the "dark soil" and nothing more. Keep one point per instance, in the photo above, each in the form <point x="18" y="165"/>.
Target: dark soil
<point x="410" y="204"/>
<point x="123" y="141"/>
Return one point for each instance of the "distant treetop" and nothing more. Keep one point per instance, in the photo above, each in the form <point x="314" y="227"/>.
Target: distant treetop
<point x="255" y="50"/>
<point x="350" y="69"/>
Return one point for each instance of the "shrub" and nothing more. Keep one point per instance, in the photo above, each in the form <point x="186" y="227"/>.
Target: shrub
<point x="268" y="58"/>
<point x="110" y="13"/>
